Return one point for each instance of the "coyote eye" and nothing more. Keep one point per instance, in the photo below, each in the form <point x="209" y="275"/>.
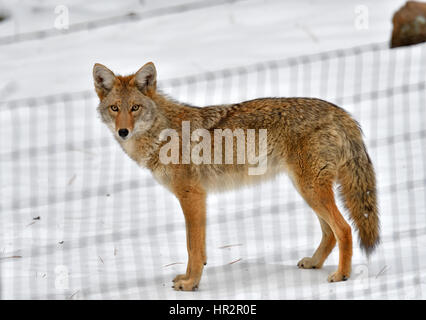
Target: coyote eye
<point x="135" y="107"/>
<point x="114" y="108"/>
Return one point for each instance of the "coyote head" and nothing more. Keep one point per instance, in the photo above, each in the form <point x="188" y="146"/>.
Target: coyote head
<point x="125" y="104"/>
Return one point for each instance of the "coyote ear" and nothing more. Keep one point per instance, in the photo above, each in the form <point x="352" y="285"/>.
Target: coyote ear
<point x="104" y="80"/>
<point x="146" y="79"/>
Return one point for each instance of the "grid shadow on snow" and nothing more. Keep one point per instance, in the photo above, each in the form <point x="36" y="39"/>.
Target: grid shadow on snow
<point x="80" y="220"/>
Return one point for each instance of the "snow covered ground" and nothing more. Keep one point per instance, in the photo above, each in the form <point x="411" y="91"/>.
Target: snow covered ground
<point x="79" y="220"/>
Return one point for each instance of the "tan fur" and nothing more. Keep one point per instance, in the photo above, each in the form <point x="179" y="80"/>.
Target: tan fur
<point x="315" y="142"/>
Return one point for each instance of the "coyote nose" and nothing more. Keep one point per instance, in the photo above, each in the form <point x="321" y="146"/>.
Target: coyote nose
<point x="123" y="133"/>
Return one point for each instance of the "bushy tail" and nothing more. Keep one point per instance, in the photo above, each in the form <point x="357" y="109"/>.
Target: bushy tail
<point x="358" y="189"/>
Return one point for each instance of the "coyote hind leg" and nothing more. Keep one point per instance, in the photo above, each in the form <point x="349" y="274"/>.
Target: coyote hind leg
<point x="319" y="195"/>
<point x="328" y="242"/>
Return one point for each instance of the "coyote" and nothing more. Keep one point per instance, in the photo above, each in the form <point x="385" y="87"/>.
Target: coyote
<point x="315" y="142"/>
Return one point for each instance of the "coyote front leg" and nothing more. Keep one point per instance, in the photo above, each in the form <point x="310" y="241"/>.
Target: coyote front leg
<point x="193" y="202"/>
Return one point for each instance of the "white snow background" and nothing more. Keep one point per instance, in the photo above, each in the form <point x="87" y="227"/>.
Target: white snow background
<point x="79" y="220"/>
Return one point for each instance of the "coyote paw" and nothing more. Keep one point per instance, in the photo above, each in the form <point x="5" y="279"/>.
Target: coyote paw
<point x="308" y="263"/>
<point x="337" y="276"/>
<point x="185" y="284"/>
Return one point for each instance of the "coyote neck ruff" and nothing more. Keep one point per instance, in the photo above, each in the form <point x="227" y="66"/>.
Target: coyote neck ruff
<point x="193" y="151"/>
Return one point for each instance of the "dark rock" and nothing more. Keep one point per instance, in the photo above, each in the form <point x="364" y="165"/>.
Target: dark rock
<point x="409" y="24"/>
